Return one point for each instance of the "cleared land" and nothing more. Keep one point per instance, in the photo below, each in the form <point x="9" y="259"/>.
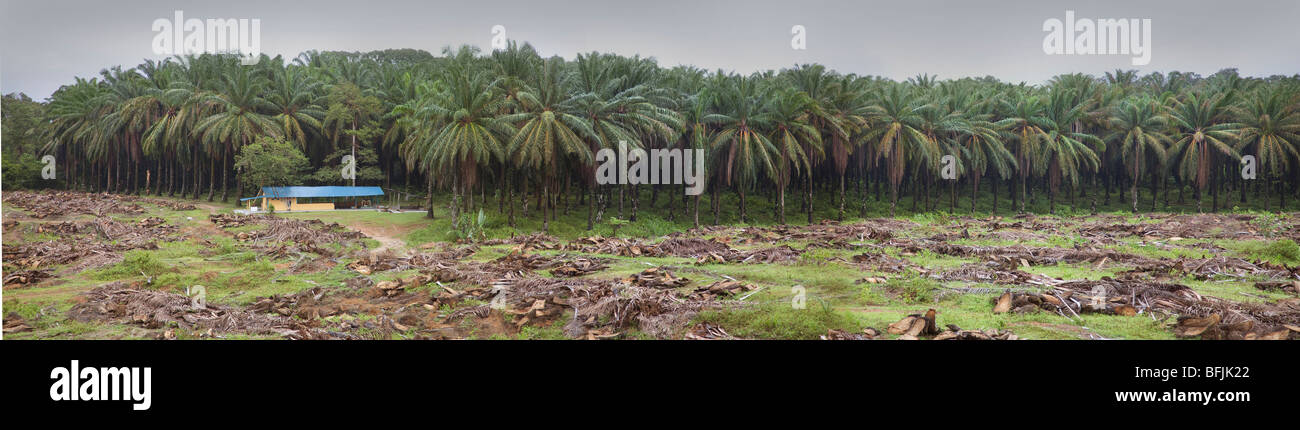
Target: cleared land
<point x="80" y="265"/>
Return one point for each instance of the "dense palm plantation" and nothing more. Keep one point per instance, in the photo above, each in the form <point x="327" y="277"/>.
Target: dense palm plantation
<point x="524" y="130"/>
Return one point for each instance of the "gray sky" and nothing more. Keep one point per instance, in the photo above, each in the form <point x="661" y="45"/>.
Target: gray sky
<point x="45" y="43"/>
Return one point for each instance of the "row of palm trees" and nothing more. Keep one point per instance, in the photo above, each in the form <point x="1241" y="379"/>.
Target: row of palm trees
<point x="513" y="123"/>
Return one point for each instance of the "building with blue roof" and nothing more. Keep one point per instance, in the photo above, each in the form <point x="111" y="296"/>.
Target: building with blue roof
<point x="322" y="198"/>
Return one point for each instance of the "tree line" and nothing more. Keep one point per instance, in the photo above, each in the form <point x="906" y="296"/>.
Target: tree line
<point x="525" y="129"/>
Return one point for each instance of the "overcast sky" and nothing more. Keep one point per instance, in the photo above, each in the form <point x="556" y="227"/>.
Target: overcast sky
<point x="45" y="43"/>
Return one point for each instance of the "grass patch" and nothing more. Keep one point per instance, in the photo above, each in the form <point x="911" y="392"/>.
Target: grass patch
<point x="780" y="321"/>
<point x="1284" y="251"/>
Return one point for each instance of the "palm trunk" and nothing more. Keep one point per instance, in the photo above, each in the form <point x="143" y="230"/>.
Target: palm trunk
<point x="429" y="196"/>
<point x="809" y="196"/>
<point x="780" y="197"/>
<point x="225" y="170"/>
<point x="212" y="184"/>
<point x="841" y="216"/>
<point x="695" y="213"/>
<point x="591" y="207"/>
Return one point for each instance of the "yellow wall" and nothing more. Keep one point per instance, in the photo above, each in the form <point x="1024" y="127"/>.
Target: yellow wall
<point x="282" y="205"/>
<point x="313" y="206"/>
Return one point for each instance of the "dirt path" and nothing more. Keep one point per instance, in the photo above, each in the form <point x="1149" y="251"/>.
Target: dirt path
<point x="389" y="236"/>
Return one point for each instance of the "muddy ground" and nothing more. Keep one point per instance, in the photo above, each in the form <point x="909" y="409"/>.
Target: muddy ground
<point x="79" y="265"/>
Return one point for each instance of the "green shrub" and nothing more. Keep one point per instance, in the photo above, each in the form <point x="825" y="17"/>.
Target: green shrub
<point x="913" y="290"/>
<point x="134" y="263"/>
<point x="1278" y="251"/>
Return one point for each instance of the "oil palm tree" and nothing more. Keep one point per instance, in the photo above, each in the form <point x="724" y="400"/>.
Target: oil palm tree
<point x="981" y="141"/>
<point x="1137" y="131"/>
<point x="75" y="112"/>
<point x="741" y="144"/>
<point x="552" y="137"/>
<point x="295" y="100"/>
<point x="455" y="129"/>
<point x="1269" y="128"/>
<point x="1024" y="123"/>
<point x="1204" y="131"/>
<point x="896" y="129"/>
<point x="786" y="114"/>
<point x="1066" y="152"/>
<point x="239" y="117"/>
<point x="823" y="89"/>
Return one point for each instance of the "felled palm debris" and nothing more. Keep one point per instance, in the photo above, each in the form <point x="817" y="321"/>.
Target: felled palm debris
<point x="770" y="255"/>
<point x="121" y="303"/>
<point x="915" y="325"/>
<point x="14" y="323"/>
<point x="1021" y="255"/>
<point x="26" y="277"/>
<point x="614" y="246"/>
<point x="1292" y="287"/>
<point x="725" y="288"/>
<point x="359" y="282"/>
<point x="1177" y="226"/>
<point x="368" y="262"/>
<point x="777" y="254"/>
<point x="170" y="204"/>
<point x="1128" y="297"/>
<point x="224" y="220"/>
<point x="707" y="331"/>
<point x="278" y="232"/>
<point x="65" y="228"/>
<point x="1218" y="266"/>
<point x="986" y="272"/>
<point x="956" y="333"/>
<point x="42" y="204"/>
<point x="529" y="242"/>
<point x="596" y="308"/>
<point x="995" y="273"/>
<point x="350" y="314"/>
<point x="579" y="266"/>
<point x="691" y="247"/>
<point x="828" y="233"/>
<point x="103" y="238"/>
<point x="280" y="229"/>
<point x="58" y="203"/>
<point x="880" y="262"/>
<point x="1014" y="257"/>
<point x="1212" y="327"/>
<point x="398" y="286"/>
<point x="521" y="261"/>
<point x="604" y="308"/>
<point x="655" y="277"/>
<point x="1110" y="297"/>
<point x="838" y="334"/>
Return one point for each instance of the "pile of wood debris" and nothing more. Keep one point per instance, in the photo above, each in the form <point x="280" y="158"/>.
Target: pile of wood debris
<point x="1204" y="316"/>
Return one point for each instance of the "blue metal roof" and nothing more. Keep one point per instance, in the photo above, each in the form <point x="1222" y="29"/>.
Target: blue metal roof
<point x="327" y="191"/>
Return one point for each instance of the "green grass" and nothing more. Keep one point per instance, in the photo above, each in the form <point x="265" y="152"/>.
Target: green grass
<point x="780" y="321"/>
<point x="1284" y="251"/>
<point x="235" y="275"/>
